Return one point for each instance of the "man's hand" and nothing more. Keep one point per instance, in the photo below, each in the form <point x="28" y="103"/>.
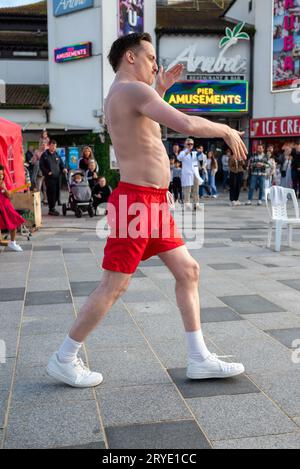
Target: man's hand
<point x="65" y="171"/>
<point x="167" y="79"/>
<point x="233" y="138"/>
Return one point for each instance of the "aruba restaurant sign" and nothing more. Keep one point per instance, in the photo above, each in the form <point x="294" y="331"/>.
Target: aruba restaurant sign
<point x="209" y="96"/>
<point x="73" y="52"/>
<point x="63" y="7"/>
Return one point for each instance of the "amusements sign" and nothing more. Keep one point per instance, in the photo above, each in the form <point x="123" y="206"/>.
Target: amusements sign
<point x="286" y="44"/>
<point x="74" y="52"/>
<point x="209" y="96"/>
<point x="131" y="16"/>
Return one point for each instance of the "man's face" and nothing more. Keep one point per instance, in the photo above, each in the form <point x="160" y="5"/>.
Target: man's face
<point x="52" y="147"/>
<point x="189" y="144"/>
<point x="176" y="148"/>
<point x="145" y="63"/>
<point x="102" y="182"/>
<point x="260" y="149"/>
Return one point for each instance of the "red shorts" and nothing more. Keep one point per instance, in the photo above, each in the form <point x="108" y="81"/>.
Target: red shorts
<point x="141" y="227"/>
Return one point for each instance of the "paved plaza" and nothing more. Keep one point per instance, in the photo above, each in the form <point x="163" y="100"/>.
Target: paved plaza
<point x="250" y="301"/>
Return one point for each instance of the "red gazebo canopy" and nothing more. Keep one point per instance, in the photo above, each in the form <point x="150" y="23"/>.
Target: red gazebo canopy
<point x="11" y="154"/>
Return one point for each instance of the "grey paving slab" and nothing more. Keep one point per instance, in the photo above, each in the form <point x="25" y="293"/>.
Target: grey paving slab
<point x="283" y="388"/>
<point x="151" y="309"/>
<point x="37" y="352"/>
<point x="227" y="266"/>
<point x="12" y="294"/>
<point x="169" y="327"/>
<point x="139" y="274"/>
<point x="215" y="245"/>
<point x="295" y="284"/>
<point x="247" y="415"/>
<point x="47" y="284"/>
<point x="152" y="262"/>
<point x="52" y="310"/>
<point x="48" y="426"/>
<point x="6" y="372"/>
<point x="3" y="406"/>
<point x="10" y="335"/>
<point x="209" y="388"/>
<point x="48" y="297"/>
<point x="76" y="250"/>
<point x="131" y="367"/>
<point x="286" y="336"/>
<point x="274" y="320"/>
<point x="250" y="304"/>
<point x="185" y="434"/>
<point x="39" y="325"/>
<point x="219" y="315"/>
<point x="285" y="441"/>
<point x="143" y="296"/>
<point x="32" y="386"/>
<point x="96" y="445"/>
<point x="46" y="248"/>
<point x="123" y="335"/>
<point x="141" y="404"/>
<point x="83" y="288"/>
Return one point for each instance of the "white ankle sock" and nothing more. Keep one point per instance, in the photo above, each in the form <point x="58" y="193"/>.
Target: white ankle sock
<point x="196" y="346"/>
<point x="68" y="350"/>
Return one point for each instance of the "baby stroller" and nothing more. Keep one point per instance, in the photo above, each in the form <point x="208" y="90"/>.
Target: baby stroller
<point x="80" y="195"/>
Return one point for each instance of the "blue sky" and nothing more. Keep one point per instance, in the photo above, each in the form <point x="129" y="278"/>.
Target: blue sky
<point x="15" y="3"/>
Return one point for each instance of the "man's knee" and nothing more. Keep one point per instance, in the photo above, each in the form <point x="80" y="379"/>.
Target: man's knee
<point x="189" y="273"/>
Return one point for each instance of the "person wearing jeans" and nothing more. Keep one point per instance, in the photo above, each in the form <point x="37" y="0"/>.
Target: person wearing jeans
<point x="236" y="175"/>
<point x="258" y="166"/>
<point x="225" y="167"/>
<point x="212" y="169"/>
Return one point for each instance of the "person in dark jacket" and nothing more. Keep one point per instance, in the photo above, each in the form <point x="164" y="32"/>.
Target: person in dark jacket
<point x="52" y="166"/>
<point x="101" y="192"/>
<point x="296" y="168"/>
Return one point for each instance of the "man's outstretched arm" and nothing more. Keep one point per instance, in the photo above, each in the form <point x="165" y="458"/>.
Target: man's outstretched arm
<point x="148" y="103"/>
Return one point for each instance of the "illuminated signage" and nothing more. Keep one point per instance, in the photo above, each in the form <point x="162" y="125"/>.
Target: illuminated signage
<point x="286" y="44"/>
<point x="275" y="127"/>
<point x="63" y="7"/>
<point x="131" y="16"/>
<point x="209" y="96"/>
<point x="73" y="52"/>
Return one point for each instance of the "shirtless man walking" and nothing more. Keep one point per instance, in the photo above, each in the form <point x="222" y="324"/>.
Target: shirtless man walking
<point x="133" y="111"/>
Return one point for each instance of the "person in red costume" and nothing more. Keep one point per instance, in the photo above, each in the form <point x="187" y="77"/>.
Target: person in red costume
<point x="9" y="219"/>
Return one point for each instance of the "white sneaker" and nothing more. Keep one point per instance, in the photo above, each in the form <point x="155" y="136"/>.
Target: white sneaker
<point x="13" y="246"/>
<point x="249" y="202"/>
<point x="188" y="206"/>
<point x="259" y="202"/>
<point x="198" y="207"/>
<point x="232" y="204"/>
<point x="238" y="203"/>
<point x="214" y="196"/>
<point x="212" y="367"/>
<point x="74" y="374"/>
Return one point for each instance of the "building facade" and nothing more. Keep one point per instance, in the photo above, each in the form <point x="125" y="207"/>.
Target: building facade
<point x="276" y="84"/>
<point x="217" y="81"/>
<point x="78" y="87"/>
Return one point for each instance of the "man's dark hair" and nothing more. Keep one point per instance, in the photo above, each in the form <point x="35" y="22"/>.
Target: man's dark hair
<point x="123" y="44"/>
<point x="53" y="142"/>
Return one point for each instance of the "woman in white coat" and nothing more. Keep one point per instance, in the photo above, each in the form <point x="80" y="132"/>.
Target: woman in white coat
<point x="190" y="178"/>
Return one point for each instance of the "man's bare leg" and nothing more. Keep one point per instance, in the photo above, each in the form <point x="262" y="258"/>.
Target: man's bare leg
<point x="64" y="365"/>
<point x="112" y="286"/>
<point x="202" y="364"/>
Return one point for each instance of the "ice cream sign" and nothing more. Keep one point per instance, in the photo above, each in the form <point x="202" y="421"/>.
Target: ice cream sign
<point x="73" y="52"/>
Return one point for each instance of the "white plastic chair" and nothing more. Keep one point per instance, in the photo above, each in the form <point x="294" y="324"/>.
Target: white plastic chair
<point x="279" y="217"/>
